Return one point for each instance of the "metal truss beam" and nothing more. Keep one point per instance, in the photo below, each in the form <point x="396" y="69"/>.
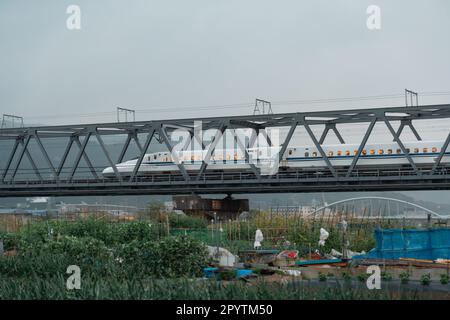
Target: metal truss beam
<point x="151" y="133"/>
<point x="176" y="160"/>
<point x="10" y="159"/>
<point x="79" y="155"/>
<point x="273" y="120"/>
<point x="402" y="146"/>
<point x="125" y="148"/>
<point x="288" y="138"/>
<point x="441" y="155"/>
<point x="408" y="123"/>
<point x="361" y="147"/>
<point x="108" y="157"/>
<point x="328" y="127"/>
<point x="319" y="147"/>
<point x="19" y="161"/>
<point x="247" y="156"/>
<point x="84" y="154"/>
<point x="212" y="146"/>
<point x="45" y="154"/>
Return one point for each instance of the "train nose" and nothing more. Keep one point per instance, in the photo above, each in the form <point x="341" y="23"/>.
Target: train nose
<point x="108" y="171"/>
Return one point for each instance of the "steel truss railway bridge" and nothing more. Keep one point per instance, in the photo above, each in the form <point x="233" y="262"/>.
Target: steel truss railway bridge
<point x="61" y="178"/>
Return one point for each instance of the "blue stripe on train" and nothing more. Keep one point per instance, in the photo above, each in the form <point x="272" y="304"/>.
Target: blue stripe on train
<point x="296" y="159"/>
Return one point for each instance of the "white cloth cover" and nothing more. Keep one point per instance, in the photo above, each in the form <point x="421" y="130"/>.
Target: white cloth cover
<point x="258" y="239"/>
<point x="323" y="236"/>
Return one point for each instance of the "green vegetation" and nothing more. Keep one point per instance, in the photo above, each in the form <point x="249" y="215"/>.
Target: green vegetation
<point x="404" y="277"/>
<point x="346" y="276"/>
<point x="386" y="276"/>
<point x="322" y="276"/>
<point x="444" y="278"/>
<point x="102" y="248"/>
<point x="133" y="288"/>
<point x="425" y="279"/>
<point x="150" y="259"/>
<point x="363" y="277"/>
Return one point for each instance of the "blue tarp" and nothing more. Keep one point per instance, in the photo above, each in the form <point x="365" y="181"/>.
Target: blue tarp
<point x="428" y="244"/>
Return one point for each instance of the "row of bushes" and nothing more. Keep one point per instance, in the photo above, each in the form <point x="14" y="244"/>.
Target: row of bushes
<point x="124" y="250"/>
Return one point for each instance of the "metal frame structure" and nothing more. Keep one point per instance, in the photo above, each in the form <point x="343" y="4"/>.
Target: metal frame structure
<point x="126" y="112"/>
<point x="327" y="178"/>
<point x="262" y="103"/>
<point x="412" y="95"/>
<point x="12" y="119"/>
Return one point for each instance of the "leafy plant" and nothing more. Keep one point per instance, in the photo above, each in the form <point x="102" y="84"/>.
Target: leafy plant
<point x="444" y="278"/>
<point x="322" y="276"/>
<point x="386" y="276"/>
<point x="363" y="277"/>
<point x="404" y="277"/>
<point x="346" y="276"/>
<point x="425" y="279"/>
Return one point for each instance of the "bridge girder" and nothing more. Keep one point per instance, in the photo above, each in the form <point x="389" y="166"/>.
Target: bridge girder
<point x="52" y="178"/>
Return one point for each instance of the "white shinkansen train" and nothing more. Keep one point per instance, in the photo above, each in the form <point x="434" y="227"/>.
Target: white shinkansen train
<point x="423" y="153"/>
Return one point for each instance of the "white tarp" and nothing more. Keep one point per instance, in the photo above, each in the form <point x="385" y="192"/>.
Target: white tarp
<point x="323" y="237"/>
<point x="258" y="239"/>
<point x="224" y="257"/>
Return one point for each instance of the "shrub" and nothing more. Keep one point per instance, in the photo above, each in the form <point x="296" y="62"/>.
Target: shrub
<point x="425" y="279"/>
<point x="322" y="276"/>
<point x="386" y="276"/>
<point x="404" y="277"/>
<point x="363" y="277"/>
<point x="183" y="221"/>
<point x="170" y="257"/>
<point x="54" y="256"/>
<point x="444" y="278"/>
<point x="346" y="276"/>
<point x="10" y="240"/>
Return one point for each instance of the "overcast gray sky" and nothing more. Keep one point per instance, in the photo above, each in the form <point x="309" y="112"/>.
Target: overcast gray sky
<point x="176" y="58"/>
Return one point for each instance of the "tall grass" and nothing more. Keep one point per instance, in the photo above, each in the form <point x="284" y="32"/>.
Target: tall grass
<point x="174" y="289"/>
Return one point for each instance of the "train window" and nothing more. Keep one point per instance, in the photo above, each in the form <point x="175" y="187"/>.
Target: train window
<point x="416" y="150"/>
<point x="399" y="151"/>
<point x="290" y="152"/>
<point x="330" y="153"/>
<point x="380" y="151"/>
<point x="339" y="153"/>
<point x="347" y="153"/>
<point x="434" y="150"/>
<point x="314" y="154"/>
<point x="389" y="151"/>
<point x="306" y="154"/>
<point x="154" y="156"/>
<point x="372" y="151"/>
<point x="425" y="150"/>
<point x="364" y="152"/>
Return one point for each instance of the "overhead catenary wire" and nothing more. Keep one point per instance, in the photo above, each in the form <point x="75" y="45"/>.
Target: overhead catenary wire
<point x="241" y="105"/>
